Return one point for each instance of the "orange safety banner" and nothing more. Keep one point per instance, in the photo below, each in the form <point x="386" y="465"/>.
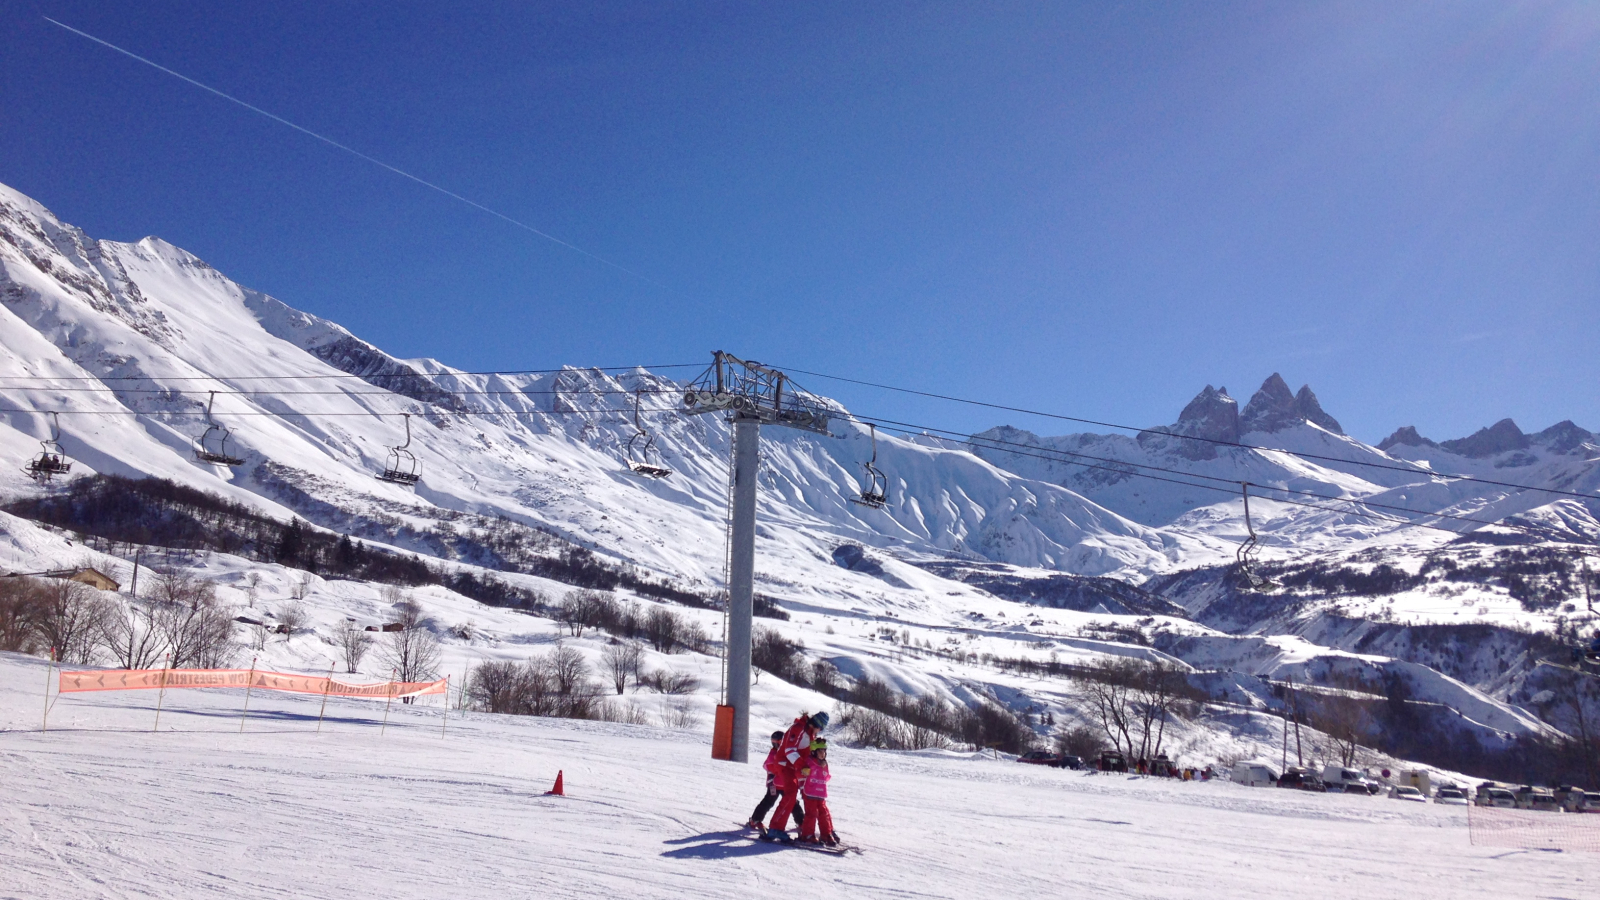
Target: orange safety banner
<point x="152" y="679"/>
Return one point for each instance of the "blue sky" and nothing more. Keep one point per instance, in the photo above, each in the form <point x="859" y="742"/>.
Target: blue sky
<point x="1095" y="209"/>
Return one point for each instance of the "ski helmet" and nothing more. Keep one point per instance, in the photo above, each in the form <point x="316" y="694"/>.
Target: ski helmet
<point x="819" y="721"/>
<point x="777" y="735"/>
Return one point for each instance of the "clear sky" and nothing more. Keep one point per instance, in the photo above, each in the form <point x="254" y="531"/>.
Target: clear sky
<point x="1092" y="208"/>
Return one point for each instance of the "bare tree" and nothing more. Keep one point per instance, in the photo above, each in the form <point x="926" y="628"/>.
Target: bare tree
<point x="69" y="619"/>
<point x="130" y="635"/>
<point x="662" y="627"/>
<point x="197" y="631"/>
<point x="1107" y="687"/>
<point x="292" y="617"/>
<point x="1342" y="715"/>
<point x="354" y="642"/>
<point x="621" y="661"/>
<point x="1156" y="690"/>
<point x="21" y="609"/>
<point x="413" y="651"/>
<point x="259" y="631"/>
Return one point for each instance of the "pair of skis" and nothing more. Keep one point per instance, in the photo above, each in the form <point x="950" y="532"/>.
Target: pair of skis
<point x="839" y="849"/>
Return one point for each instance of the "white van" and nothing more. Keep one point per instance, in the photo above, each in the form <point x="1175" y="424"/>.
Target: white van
<point x="1254" y="775"/>
<point x="1347" y="780"/>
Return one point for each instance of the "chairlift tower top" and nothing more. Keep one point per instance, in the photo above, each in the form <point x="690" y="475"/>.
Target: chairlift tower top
<point x="751" y="395"/>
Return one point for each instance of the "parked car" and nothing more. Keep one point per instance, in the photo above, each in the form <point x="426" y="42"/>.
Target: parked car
<point x="1040" y="758"/>
<point x="1253" y="775"/>
<point x="1406" y="792"/>
<point x="1497" y="797"/>
<point x="1569" y="798"/>
<point x="1071" y="762"/>
<point x="1591" y="802"/>
<point x="1450" y="796"/>
<point x="1112" y="761"/>
<point x="1364" y="788"/>
<point x="1301" y="779"/>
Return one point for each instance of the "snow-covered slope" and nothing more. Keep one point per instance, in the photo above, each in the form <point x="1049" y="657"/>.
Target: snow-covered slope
<point x="127" y="341"/>
<point x="104" y="808"/>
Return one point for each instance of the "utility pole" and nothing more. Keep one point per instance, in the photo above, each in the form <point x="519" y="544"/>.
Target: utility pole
<point x="750" y="395"/>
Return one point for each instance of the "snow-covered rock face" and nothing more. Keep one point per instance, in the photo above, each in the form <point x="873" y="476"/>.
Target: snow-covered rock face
<point x="163" y="329"/>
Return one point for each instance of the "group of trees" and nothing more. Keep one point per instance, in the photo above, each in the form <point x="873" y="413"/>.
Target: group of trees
<point x="875" y="714"/>
<point x="1132" y="702"/>
<point x="180" y="622"/>
<point x="560" y="683"/>
<point x="665" y="630"/>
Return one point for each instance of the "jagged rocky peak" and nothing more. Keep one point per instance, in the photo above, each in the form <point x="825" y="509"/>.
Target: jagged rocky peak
<point x="1564" y="437"/>
<point x="1406" y="436"/>
<point x="1274" y="408"/>
<point x="1502" y="437"/>
<point x="1212" y="415"/>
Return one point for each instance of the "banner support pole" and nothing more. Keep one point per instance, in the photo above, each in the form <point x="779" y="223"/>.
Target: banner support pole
<point x="386" y="705"/>
<point x="325" y="689"/>
<point x="445" y="720"/>
<point x="250" y="683"/>
<point x="45" y="724"/>
<point x="166" y="666"/>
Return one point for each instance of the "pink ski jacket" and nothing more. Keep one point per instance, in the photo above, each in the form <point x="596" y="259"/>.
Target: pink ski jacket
<point x="816" y="781"/>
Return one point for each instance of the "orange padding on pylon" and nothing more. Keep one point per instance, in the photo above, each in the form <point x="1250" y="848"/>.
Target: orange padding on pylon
<point x="151" y="679"/>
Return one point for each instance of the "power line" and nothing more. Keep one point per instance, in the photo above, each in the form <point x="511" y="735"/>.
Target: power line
<point x="371" y="159"/>
<point x="1411" y="469"/>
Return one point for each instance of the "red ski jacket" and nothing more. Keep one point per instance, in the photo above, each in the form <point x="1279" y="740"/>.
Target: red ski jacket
<point x="795" y="748"/>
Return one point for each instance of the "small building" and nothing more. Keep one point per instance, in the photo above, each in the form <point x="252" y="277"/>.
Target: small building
<point x="82" y="574"/>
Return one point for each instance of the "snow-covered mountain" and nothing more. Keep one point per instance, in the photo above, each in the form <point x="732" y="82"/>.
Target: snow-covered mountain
<point x="126" y="343"/>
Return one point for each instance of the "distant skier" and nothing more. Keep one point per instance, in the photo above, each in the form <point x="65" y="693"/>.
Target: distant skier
<point x="793" y="751"/>
<point x="818" y="823"/>
<point x="775" y="784"/>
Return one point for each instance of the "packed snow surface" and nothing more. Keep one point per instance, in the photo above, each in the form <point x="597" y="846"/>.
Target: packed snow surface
<point x="101" y="807"/>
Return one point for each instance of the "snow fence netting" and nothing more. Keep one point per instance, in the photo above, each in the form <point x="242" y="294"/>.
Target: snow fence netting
<point x="153" y="679"/>
<point x="1527" y="829"/>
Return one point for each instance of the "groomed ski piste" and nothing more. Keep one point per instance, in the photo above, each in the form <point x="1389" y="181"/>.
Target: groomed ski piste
<point x="100" y="806"/>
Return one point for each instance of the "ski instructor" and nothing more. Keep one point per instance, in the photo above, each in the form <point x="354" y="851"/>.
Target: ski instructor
<point x="793" y="753"/>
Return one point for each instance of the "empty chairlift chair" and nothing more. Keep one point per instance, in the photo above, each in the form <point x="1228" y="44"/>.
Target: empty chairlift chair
<point x="212" y="445"/>
<point x="639" y="454"/>
<point x="51" y="462"/>
<point x="403" y="466"/>
<point x="875" y="486"/>
<point x="1245" y="556"/>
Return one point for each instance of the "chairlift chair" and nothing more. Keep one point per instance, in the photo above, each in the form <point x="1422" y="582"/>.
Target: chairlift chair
<point x="212" y="445"/>
<point x="639" y="461"/>
<point x="51" y="462"/>
<point x="1245" y="556"/>
<point x="875" y="487"/>
<point x="403" y="466"/>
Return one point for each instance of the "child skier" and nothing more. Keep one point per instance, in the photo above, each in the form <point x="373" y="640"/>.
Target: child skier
<point x="777" y="783"/>
<point x="815" y="788"/>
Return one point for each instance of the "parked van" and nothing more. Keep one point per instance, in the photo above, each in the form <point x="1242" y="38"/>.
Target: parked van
<point x="1417" y="778"/>
<point x="1254" y="775"/>
<point x="1347" y="780"/>
<point x="1497" y="795"/>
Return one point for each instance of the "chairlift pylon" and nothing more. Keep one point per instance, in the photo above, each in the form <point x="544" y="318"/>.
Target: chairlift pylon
<point x="51" y="461"/>
<point x="875" y="487"/>
<point x="1245" y="556"/>
<point x="640" y="464"/>
<point x="403" y="466"/>
<point x="212" y="445"/>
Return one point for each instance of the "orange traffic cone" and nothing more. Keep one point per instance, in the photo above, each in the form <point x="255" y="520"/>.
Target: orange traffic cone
<point x="556" y="791"/>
